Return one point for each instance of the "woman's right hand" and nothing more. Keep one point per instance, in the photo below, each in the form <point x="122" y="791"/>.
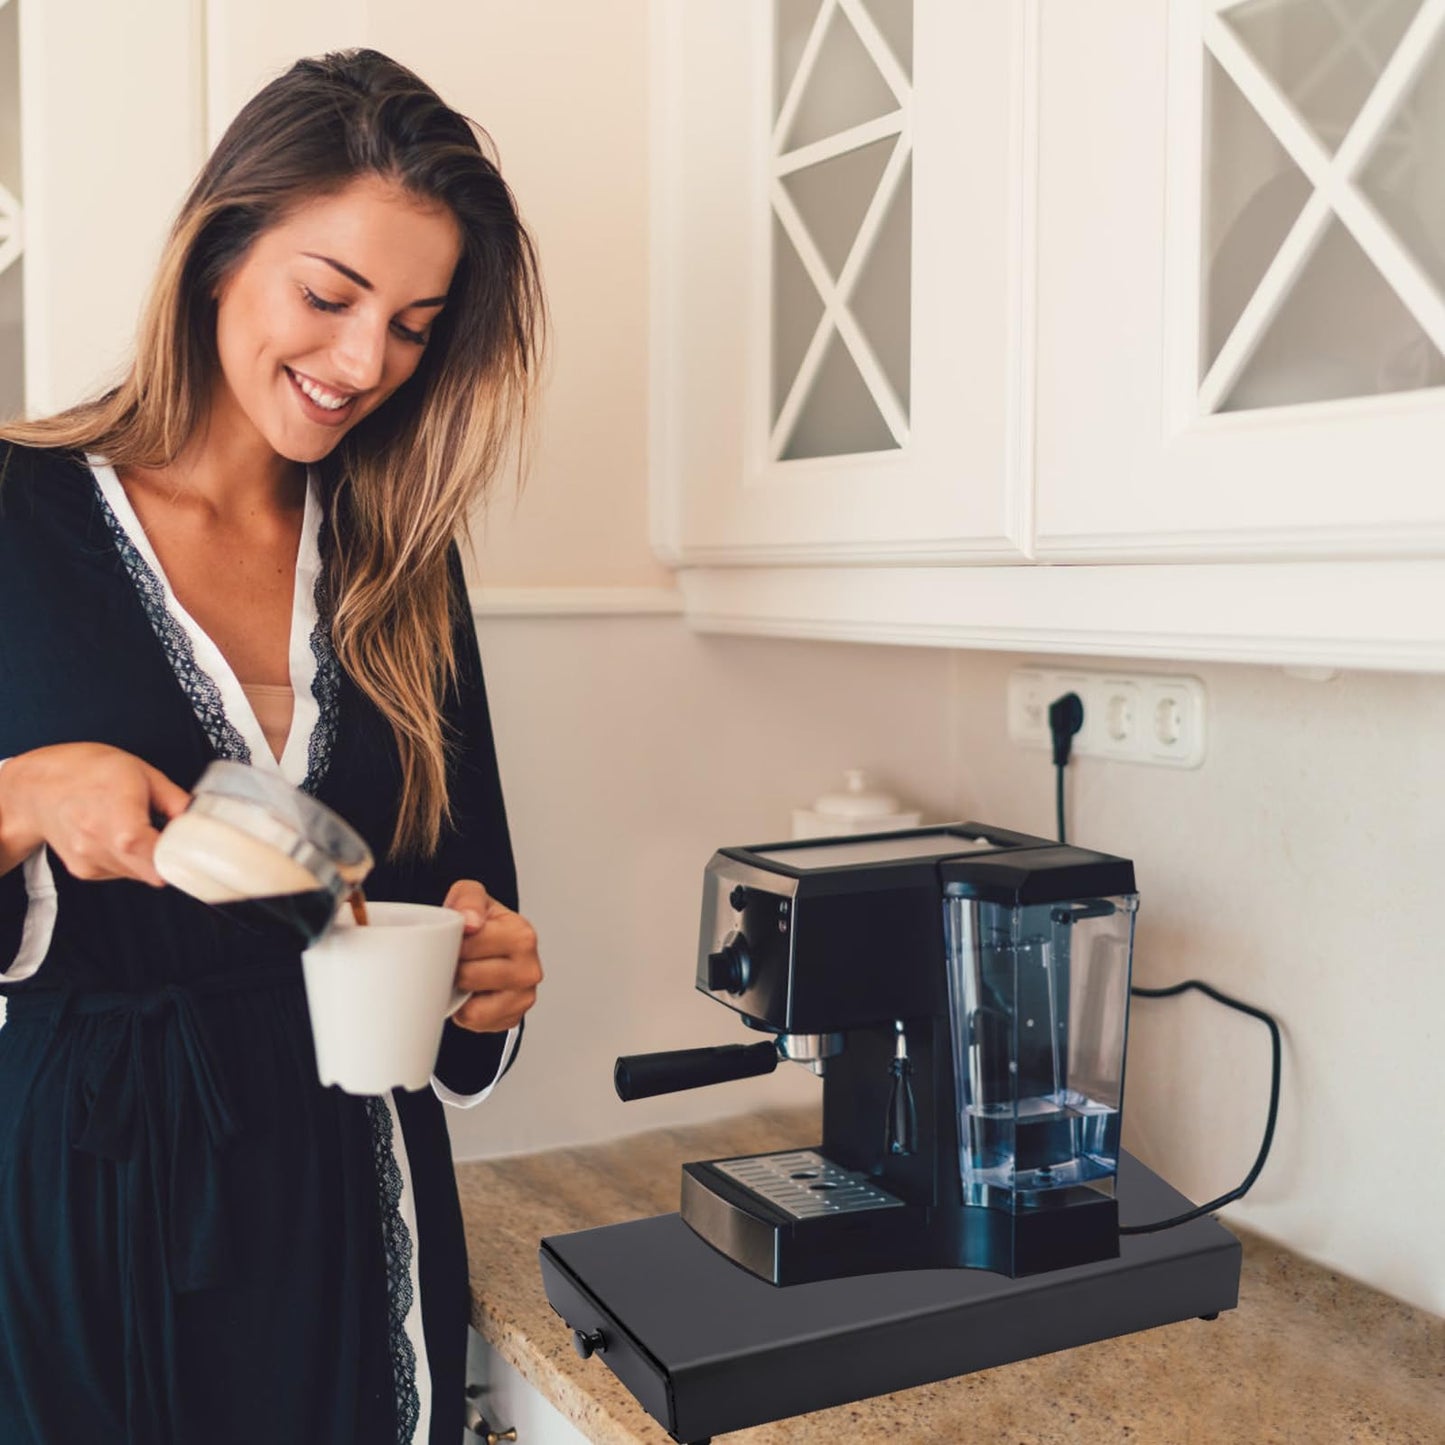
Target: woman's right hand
<point x="93" y="804"/>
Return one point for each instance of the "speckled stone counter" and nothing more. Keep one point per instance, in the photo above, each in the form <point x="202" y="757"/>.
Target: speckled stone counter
<point x="1307" y="1356"/>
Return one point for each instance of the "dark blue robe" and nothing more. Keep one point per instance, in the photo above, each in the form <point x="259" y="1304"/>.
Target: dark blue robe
<point x="200" y="1245"/>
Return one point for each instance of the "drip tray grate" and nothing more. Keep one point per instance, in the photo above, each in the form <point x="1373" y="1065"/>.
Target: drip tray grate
<point x="806" y="1185"/>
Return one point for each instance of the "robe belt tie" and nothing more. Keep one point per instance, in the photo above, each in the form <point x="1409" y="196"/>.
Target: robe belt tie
<point x="149" y="1095"/>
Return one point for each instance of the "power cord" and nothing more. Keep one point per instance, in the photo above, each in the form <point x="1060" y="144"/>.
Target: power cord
<point x="1243" y="1189"/>
<point x="1066" y="717"/>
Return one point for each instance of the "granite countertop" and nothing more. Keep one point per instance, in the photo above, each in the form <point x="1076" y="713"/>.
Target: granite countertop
<point x="1307" y="1357"/>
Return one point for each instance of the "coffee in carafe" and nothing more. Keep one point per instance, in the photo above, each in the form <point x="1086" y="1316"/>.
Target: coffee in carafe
<point x="266" y="854"/>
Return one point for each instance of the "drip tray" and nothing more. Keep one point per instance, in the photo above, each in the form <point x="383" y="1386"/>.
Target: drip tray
<point x="707" y="1347"/>
<point x="805" y="1185"/>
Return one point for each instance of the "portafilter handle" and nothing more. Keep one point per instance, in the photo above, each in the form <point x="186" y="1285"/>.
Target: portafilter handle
<point x="640" y="1076"/>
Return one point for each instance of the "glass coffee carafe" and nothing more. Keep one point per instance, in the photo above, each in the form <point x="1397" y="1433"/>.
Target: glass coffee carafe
<point x="264" y="851"/>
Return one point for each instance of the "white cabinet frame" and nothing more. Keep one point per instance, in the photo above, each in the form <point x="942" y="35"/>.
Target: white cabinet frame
<point x="956" y="488"/>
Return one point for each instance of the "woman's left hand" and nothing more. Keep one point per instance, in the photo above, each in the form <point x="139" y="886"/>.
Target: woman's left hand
<point x="498" y="964"/>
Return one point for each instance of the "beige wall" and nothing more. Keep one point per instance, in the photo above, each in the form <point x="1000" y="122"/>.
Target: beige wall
<point x="249" y="42"/>
<point x="562" y="89"/>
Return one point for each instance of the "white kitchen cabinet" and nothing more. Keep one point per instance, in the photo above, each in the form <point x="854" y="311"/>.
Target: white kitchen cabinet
<point x="1177" y="320"/>
<point x="835" y="291"/>
<point x="1241" y="279"/>
<point x="105" y="118"/>
<point x="12" y="310"/>
<point x="111" y="122"/>
<point x="510" y="1402"/>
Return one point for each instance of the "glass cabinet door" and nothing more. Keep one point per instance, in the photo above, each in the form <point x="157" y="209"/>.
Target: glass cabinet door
<point x="838" y="305"/>
<point x="1241" y="280"/>
<point x="842" y="227"/>
<point x="12" y="316"/>
<point x="1323" y="263"/>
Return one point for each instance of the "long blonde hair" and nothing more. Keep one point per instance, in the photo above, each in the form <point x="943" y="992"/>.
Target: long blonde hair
<point x="402" y="482"/>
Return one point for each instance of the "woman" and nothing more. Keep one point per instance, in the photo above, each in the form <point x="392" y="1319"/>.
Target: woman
<point x="246" y="551"/>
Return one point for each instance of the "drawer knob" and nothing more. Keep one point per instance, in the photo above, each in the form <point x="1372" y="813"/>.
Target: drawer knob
<point x="589" y="1342"/>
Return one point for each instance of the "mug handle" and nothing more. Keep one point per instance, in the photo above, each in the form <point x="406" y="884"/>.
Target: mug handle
<point x="459" y="997"/>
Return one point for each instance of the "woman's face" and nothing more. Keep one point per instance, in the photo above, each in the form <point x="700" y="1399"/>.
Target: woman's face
<point x="328" y="313"/>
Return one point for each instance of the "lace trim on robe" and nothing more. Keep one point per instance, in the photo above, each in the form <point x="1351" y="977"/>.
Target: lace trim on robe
<point x="195" y="681"/>
<point x="326" y="684"/>
<point x="198" y="685"/>
<point x="398" y="1247"/>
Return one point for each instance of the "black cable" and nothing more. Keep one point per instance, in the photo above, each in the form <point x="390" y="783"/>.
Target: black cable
<point x="1063" y="723"/>
<point x="1066" y="717"/>
<point x="1243" y="1189"/>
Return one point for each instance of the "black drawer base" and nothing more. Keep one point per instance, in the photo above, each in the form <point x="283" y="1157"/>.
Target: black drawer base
<point x="707" y="1347"/>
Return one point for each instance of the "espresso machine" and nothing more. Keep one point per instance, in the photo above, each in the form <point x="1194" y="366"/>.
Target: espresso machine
<point x="963" y="993"/>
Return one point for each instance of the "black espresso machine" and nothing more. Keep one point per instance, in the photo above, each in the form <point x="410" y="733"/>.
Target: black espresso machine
<point x="963" y="992"/>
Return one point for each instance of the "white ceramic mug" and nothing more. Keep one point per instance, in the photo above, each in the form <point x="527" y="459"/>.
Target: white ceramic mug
<point x="380" y="995"/>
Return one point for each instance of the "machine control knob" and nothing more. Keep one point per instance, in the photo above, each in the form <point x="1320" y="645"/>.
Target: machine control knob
<point x="738" y="898"/>
<point x="730" y="969"/>
<point x="589" y="1342"/>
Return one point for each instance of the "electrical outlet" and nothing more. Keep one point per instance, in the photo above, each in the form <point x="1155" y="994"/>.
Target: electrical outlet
<point x="1028" y="706"/>
<point x="1128" y="717"/>
<point x="1174" y="721"/>
<point x="1120" y="706"/>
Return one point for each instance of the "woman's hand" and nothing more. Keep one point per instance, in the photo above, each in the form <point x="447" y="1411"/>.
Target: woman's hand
<point x="498" y="964"/>
<point x="93" y="804"/>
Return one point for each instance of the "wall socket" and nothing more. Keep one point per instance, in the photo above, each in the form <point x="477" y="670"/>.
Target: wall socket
<point x="1143" y="717"/>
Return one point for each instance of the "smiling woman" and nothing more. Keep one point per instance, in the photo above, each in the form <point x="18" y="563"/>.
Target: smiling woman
<point x="247" y="550"/>
<point x="305" y="339"/>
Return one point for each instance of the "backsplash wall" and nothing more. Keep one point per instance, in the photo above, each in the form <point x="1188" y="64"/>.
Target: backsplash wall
<point x="1295" y="869"/>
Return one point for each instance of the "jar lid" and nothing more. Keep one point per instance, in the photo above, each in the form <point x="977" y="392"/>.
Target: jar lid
<point x="856" y="801"/>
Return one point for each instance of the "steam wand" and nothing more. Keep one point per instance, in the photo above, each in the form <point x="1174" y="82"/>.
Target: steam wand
<point x="902" y="1137"/>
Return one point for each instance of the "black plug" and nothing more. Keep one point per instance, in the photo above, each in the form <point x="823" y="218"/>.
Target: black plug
<point x="1066" y="717"/>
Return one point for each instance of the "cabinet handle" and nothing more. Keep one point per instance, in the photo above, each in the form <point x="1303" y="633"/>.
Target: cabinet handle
<point x="477" y="1422"/>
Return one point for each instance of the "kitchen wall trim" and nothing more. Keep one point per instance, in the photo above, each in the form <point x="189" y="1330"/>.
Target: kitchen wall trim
<point x="1282" y="544"/>
<point x="575" y="601"/>
<point x="1373" y="615"/>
